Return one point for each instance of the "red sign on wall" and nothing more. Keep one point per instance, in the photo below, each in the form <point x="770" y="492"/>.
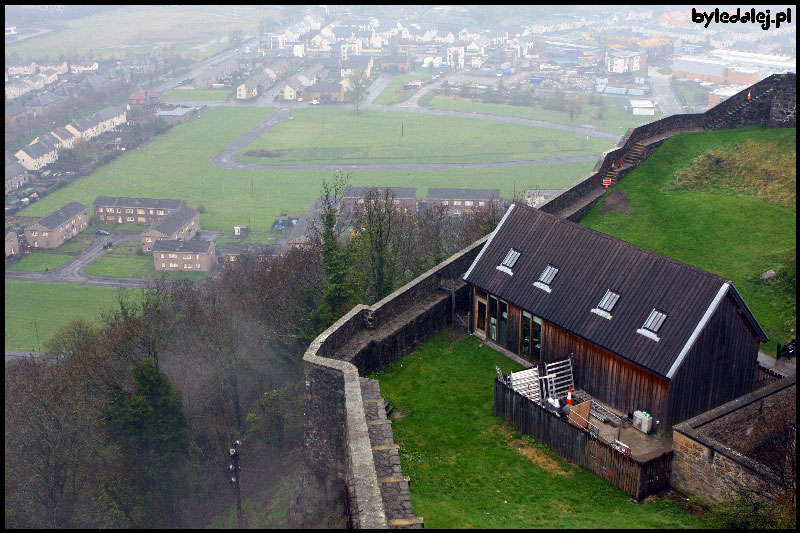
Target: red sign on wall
<point x="606" y="182"/>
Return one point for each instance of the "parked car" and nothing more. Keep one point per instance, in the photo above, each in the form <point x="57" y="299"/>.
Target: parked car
<point x="314" y="102"/>
<point x="102" y="232"/>
<point x="108" y="245"/>
<point x="300" y="99"/>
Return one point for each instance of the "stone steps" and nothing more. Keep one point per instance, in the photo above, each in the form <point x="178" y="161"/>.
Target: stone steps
<point x="394" y="486"/>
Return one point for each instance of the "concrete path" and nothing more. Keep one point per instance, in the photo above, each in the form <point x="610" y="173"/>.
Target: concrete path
<point x="787" y="367"/>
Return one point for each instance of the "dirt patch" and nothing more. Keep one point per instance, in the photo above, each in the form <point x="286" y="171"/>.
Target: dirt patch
<point x="615" y="201"/>
<point x="539" y="458"/>
<point x="265" y="153"/>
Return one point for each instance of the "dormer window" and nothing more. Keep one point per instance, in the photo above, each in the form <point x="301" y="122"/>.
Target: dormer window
<point x="546" y="278"/>
<point x="509" y="262"/>
<point x="653" y="323"/>
<point x="606" y="304"/>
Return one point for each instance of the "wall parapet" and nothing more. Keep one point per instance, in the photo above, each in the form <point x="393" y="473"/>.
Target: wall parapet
<point x="337" y="448"/>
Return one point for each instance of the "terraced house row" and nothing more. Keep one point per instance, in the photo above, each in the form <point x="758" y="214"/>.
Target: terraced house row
<point x="43" y="150"/>
<point x="53" y="230"/>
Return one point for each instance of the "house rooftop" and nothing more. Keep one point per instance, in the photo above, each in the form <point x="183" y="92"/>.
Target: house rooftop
<point x="633" y="302"/>
<point x="170" y="224"/>
<point x="464" y="194"/>
<point x="194" y="246"/>
<point x="61" y="215"/>
<point x="145" y="203"/>
<point x="398" y="192"/>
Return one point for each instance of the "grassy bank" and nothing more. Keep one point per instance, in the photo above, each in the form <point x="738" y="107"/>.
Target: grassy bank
<point x="736" y="220"/>
<point x="38" y="309"/>
<point x="470" y="469"/>
<point x="394" y="92"/>
<point x="341" y="136"/>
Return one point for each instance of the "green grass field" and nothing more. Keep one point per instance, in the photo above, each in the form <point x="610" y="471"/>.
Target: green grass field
<point x="394" y="93"/>
<point x="616" y="118"/>
<point x="341" y="136"/>
<point x="139" y="28"/>
<point x="176" y="165"/>
<point x="197" y="95"/>
<point x="729" y="231"/>
<point x="47" y="307"/>
<point x="41" y="261"/>
<point x="121" y="266"/>
<point x="470" y="469"/>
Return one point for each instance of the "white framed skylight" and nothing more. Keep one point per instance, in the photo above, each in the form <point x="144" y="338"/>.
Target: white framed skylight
<point x="607" y="303"/>
<point x="509" y="261"/>
<point x="653" y="324"/>
<point x="546" y="278"/>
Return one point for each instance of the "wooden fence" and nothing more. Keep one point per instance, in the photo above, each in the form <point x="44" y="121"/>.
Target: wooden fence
<point x="639" y="479"/>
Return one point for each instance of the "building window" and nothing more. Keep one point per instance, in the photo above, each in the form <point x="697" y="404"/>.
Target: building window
<point x="173" y="256"/>
<point x="129" y="210"/>
<point x="100" y="210"/>
<point x="456" y="202"/>
<point x="198" y="265"/>
<point x="652" y="325"/>
<point x="151" y="211"/>
<point x="44" y="234"/>
<point x="163" y="265"/>
<point x="546" y="278"/>
<point x="140" y="211"/>
<point x="606" y="304"/>
<point x="34" y="233"/>
<point x="130" y="219"/>
<point x="119" y="210"/>
<point x="468" y="203"/>
<point x="160" y="212"/>
<point x="509" y="261"/>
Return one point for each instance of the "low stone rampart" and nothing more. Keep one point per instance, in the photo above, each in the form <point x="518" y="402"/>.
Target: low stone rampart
<point x="712" y="452"/>
<point x="772" y="103"/>
<point x="337" y="454"/>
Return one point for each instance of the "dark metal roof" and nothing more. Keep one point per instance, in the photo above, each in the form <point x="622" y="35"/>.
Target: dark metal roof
<point x="142" y="203"/>
<point x="398" y="192"/>
<point x="464" y="194"/>
<point x="171" y="224"/>
<point x="61" y="215"/>
<point x="189" y="247"/>
<point x="589" y="263"/>
<point x="14" y="169"/>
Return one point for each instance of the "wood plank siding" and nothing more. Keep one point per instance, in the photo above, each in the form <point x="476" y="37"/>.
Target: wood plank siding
<point x="720" y="366"/>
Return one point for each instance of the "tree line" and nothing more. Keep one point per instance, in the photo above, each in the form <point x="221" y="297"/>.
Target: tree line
<point x="131" y="423"/>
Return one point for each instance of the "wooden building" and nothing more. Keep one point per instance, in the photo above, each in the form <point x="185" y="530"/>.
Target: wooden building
<point x="645" y="332"/>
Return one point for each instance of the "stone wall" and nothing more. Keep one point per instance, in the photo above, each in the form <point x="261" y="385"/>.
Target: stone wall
<point x="710" y="451"/>
<point x="772" y="103"/>
<point x="337" y="455"/>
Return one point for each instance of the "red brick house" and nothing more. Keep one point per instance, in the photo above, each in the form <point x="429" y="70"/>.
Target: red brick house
<point x="183" y="224"/>
<point x="122" y="210"/>
<point x="183" y="256"/>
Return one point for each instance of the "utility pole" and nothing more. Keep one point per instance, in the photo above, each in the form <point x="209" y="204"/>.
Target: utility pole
<point x="234" y="470"/>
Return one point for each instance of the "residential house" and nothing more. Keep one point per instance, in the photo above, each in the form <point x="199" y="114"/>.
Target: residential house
<point x="142" y="210"/>
<point x="59" y="67"/>
<point x="248" y="89"/>
<point x="49" y="76"/>
<point x="326" y="91"/>
<point x="291" y="89"/>
<point x="37" y="155"/>
<point x="182" y="224"/>
<point x="104" y="120"/>
<point x="83" y="66"/>
<point x="620" y="61"/>
<point x="231" y="252"/>
<point x="405" y="198"/>
<point x="15" y="112"/>
<point x="16" y="89"/>
<point x="96" y="82"/>
<point x="42" y="103"/>
<point x="177" y="115"/>
<point x="16" y="176"/>
<point x="59" y="226"/>
<point x="145" y="98"/>
<point x="12" y="243"/>
<point x="462" y="201"/>
<point x="362" y="63"/>
<point x="644" y="332"/>
<point x="23" y="68"/>
<point x="395" y="63"/>
<point x="183" y="256"/>
<point x="65" y="137"/>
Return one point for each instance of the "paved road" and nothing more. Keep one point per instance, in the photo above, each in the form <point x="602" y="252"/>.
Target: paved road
<point x="226" y="158"/>
<point x="662" y="89"/>
<point x="73" y="271"/>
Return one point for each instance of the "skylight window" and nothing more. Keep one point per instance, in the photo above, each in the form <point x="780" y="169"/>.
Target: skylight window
<point x="609" y="301"/>
<point x="508" y="262"/>
<point x="653" y="323"/>
<point x="546" y="278"/>
<point x="606" y="304"/>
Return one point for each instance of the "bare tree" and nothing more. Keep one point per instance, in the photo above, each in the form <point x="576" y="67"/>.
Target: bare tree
<point x="357" y="82"/>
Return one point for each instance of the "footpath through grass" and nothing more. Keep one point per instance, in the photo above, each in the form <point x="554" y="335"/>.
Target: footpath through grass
<point x="394" y="92"/>
<point x="470" y="469"/>
<point x="43" y="308"/>
<point x="735" y="219"/>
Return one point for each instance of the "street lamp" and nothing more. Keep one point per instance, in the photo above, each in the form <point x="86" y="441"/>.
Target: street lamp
<point x="234" y="473"/>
